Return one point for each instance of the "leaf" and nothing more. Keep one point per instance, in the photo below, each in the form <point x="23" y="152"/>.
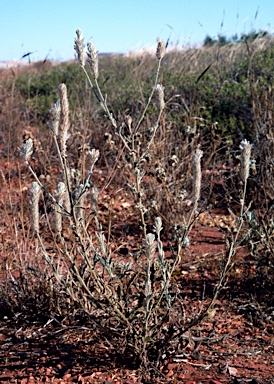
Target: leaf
<point x="203" y="73"/>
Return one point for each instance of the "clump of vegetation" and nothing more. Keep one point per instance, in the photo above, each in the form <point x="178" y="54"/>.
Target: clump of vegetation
<point x="223" y="40"/>
<point x="168" y="126"/>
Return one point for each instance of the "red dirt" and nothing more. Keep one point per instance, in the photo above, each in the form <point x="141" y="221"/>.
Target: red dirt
<point x="239" y="348"/>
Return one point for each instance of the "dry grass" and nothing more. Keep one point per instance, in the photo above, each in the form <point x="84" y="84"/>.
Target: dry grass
<point x="165" y="153"/>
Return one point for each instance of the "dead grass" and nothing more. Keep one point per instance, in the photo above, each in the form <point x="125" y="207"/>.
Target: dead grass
<point x="29" y="291"/>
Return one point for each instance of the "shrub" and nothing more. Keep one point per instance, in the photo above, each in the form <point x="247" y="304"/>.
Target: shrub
<point x="136" y="301"/>
<point x="154" y="144"/>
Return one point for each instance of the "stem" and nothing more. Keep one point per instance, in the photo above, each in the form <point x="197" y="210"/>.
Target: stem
<point x="150" y="97"/>
<point x="45" y="189"/>
<point x="98" y="94"/>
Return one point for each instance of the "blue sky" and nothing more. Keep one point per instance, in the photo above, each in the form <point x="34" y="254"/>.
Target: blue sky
<point x="47" y="27"/>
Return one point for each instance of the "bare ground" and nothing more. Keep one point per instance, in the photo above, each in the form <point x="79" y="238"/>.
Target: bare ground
<point x="235" y="346"/>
